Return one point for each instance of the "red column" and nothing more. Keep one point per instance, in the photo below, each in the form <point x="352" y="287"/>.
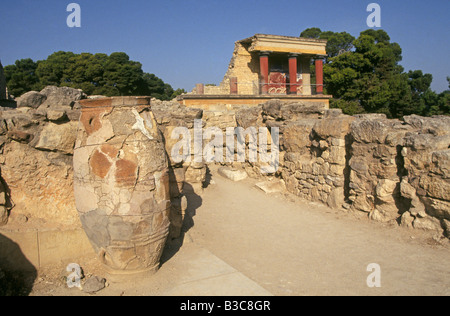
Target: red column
<point x="293" y="73"/>
<point x="319" y="76"/>
<point x="264" y="71"/>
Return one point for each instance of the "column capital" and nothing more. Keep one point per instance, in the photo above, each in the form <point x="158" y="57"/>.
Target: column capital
<point x="319" y="57"/>
<point x="264" y="53"/>
<point x="293" y="55"/>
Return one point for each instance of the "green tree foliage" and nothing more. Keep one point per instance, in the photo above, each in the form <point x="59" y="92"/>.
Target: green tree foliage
<point x="95" y="74"/>
<point x="364" y="76"/>
<point x="313" y="32"/>
<point x="338" y="43"/>
<point x="21" y="77"/>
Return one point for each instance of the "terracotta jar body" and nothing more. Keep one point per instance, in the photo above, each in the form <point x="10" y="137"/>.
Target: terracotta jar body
<point x="121" y="183"/>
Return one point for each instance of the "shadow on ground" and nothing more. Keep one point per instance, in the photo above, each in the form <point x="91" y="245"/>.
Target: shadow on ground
<point x="17" y="274"/>
<point x="194" y="201"/>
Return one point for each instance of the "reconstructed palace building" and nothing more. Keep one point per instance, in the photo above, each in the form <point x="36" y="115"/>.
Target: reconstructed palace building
<point x="266" y="67"/>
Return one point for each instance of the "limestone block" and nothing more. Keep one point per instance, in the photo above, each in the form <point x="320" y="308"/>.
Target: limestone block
<point x="336" y="127"/>
<point x="385" y="190"/>
<point x="384" y="213"/>
<point x="428" y="223"/>
<point x="407" y="220"/>
<point x="193" y="175"/>
<point x="336" y="198"/>
<point x="437" y="208"/>
<point x="57" y="137"/>
<point x="406" y="189"/>
<point x="417" y="208"/>
<point x="370" y="131"/>
<point x="428" y="142"/>
<point x="41" y="183"/>
<point x="436" y="187"/>
<point x="61" y="96"/>
<point x="296" y="136"/>
<point x="441" y="162"/>
<point x="292" y="184"/>
<point x="437" y="125"/>
<point x="232" y="174"/>
<point x="31" y="99"/>
<point x="337" y="155"/>
<point x="272" y="186"/>
<point x="57" y="114"/>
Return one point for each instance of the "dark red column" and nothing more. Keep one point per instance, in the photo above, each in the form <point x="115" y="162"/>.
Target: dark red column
<point x="264" y="71"/>
<point x="293" y="73"/>
<point x="319" y="76"/>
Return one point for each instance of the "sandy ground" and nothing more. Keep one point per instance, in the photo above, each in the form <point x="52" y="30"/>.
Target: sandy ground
<point x="285" y="245"/>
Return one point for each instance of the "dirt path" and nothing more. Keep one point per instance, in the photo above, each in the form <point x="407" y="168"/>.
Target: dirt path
<point x="292" y="247"/>
<point x="239" y="239"/>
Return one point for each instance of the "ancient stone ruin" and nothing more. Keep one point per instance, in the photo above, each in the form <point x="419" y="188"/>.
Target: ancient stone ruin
<point x="393" y="170"/>
<point x="263" y="67"/>
<point x="57" y="158"/>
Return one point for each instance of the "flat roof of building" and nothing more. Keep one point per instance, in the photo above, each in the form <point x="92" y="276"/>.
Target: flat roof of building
<point x="286" y="44"/>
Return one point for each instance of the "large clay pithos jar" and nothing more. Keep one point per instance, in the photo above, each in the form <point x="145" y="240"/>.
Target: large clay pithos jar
<point x="121" y="183"/>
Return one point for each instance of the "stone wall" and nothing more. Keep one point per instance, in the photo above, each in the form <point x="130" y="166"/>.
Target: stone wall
<point x="186" y="178"/>
<point x="392" y="170"/>
<point x="395" y="171"/>
<point x="36" y="147"/>
<point x="36" y="159"/>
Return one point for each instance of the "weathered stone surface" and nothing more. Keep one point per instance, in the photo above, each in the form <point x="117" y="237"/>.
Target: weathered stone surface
<point x="437" y="208"/>
<point x="41" y="184"/>
<point x="436" y="125"/>
<point x="436" y="187"/>
<point x="32" y="99"/>
<point x="171" y="113"/>
<point x="337" y="127"/>
<point x="232" y="174"/>
<point x="417" y="208"/>
<point x="385" y="190"/>
<point x="56" y="137"/>
<point x="336" y="198"/>
<point x="407" y="190"/>
<point x="61" y="96"/>
<point x="418" y="141"/>
<point x="407" y="220"/>
<point x="428" y="223"/>
<point x="297" y="136"/>
<point x="272" y="186"/>
<point x="56" y="114"/>
<point x="441" y="162"/>
<point x="370" y="131"/>
<point x="94" y="284"/>
<point x="286" y="111"/>
<point x="20" y="136"/>
<point x="249" y="117"/>
<point x="195" y="175"/>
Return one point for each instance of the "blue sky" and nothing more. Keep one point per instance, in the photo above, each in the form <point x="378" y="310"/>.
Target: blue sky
<point x="185" y="42"/>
